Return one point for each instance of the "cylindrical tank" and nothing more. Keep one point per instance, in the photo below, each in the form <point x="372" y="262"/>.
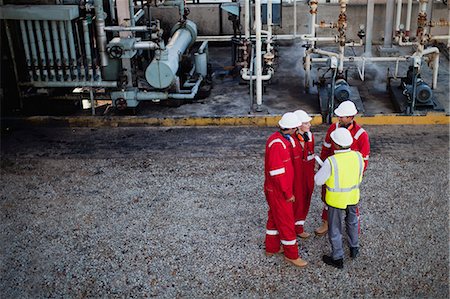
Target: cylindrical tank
<point x="341" y="90"/>
<point x="162" y="71"/>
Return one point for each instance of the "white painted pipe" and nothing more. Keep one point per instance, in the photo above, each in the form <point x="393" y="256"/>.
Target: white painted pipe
<point x="57" y="50"/>
<point x="33" y="48"/>
<point x="388" y="23"/>
<point x="65" y="52"/>
<point x="319" y="38"/>
<point x="245" y="75"/>
<point x="258" y="54"/>
<point x="126" y="28"/>
<point x="246" y="19"/>
<point x="369" y="26"/>
<point x="408" y="18"/>
<point x="227" y="38"/>
<point x="269" y="27"/>
<point x="361" y="59"/>
<point x="440" y="37"/>
<point x="145" y="45"/>
<point x="26" y="48"/>
<point x="398" y="16"/>
<point x="131" y="5"/>
<point x="295" y="18"/>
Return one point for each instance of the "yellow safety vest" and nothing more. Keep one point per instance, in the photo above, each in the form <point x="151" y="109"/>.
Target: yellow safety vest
<point x="346" y="176"/>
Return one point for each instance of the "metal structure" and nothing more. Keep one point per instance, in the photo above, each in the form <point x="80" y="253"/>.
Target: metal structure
<point x="122" y="54"/>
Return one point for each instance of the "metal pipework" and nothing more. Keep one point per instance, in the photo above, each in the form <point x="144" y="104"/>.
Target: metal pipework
<point x="57" y="50"/>
<point x="33" y="50"/>
<point x="258" y="55"/>
<point x="42" y="56"/>
<point x="162" y="71"/>
<point x="73" y="56"/>
<point x="48" y="44"/>
<point x="388" y="24"/>
<point x="127" y="28"/>
<point x="87" y="48"/>
<point x="26" y="48"/>
<point x="100" y="29"/>
<point x="65" y="52"/>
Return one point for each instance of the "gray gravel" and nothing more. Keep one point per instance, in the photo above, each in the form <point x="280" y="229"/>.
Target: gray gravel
<point x="180" y="213"/>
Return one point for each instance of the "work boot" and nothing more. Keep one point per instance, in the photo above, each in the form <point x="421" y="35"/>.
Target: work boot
<point x="273" y="253"/>
<point x="304" y="235"/>
<point x="297" y="262"/>
<point x="323" y="229"/>
<point x="354" y="252"/>
<point x="335" y="263"/>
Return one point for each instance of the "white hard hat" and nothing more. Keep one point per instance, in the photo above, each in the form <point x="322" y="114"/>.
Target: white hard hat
<point x="342" y="137"/>
<point x="346" y="108"/>
<point x="303" y="116"/>
<point x="289" y="121"/>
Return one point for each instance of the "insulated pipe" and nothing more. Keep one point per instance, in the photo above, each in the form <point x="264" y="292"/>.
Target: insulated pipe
<point x="100" y="29"/>
<point x="145" y="45"/>
<point x="388" y="23"/>
<point x="73" y="56"/>
<point x="87" y="48"/>
<point x="48" y="43"/>
<point x="408" y="19"/>
<point x="41" y="50"/>
<point x="33" y="47"/>
<point x="258" y="55"/>
<point x="26" y="48"/>
<point x="369" y="26"/>
<point x="162" y="71"/>
<point x="65" y="52"/>
<point x="57" y="50"/>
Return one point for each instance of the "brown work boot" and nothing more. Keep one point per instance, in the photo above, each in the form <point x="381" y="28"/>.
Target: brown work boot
<point x="272" y="254"/>
<point x="304" y="235"/>
<point x="323" y="229"/>
<point x="297" y="262"/>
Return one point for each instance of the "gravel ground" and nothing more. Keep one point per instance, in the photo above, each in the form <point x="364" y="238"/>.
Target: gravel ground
<point x="180" y="213"/>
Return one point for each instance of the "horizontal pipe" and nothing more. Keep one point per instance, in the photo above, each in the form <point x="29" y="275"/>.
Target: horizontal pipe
<point x="125" y="28"/>
<point x="368" y="59"/>
<point x="227" y="38"/>
<point x="157" y="95"/>
<point x="245" y="75"/>
<point x="43" y="84"/>
<point x="145" y="45"/>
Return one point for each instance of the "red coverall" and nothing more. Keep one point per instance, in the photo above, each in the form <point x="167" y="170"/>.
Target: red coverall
<point x="304" y="163"/>
<point x="278" y="188"/>
<point x="360" y="143"/>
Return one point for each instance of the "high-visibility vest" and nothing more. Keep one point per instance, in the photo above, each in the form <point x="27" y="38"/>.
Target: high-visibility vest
<point x="346" y="176"/>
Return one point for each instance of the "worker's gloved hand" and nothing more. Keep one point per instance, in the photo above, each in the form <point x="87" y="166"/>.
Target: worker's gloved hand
<point x="292" y="199"/>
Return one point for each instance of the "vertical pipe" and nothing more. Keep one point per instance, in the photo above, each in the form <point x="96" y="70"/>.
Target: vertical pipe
<point x="370" y="15"/>
<point x="100" y="29"/>
<point x="132" y="21"/>
<point x="295" y="18"/>
<point x="57" y="50"/>
<point x="33" y="47"/>
<point x="247" y="19"/>
<point x="258" y="55"/>
<point x="435" y="70"/>
<point x="398" y="17"/>
<point x="388" y="23"/>
<point x="269" y="26"/>
<point x="13" y="58"/>
<point x="26" y="48"/>
<point x="48" y="43"/>
<point x="65" y="52"/>
<point x="312" y="27"/>
<point x="87" y="49"/>
<point x="41" y="50"/>
<point x="73" y="55"/>
<point x="112" y="11"/>
<point x="408" y="19"/>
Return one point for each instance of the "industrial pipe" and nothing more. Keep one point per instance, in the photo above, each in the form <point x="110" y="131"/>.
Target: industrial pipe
<point x="73" y="56"/>
<point x="40" y="43"/>
<point x="53" y="84"/>
<point x="48" y="44"/>
<point x="33" y="48"/>
<point x="26" y="48"/>
<point x="258" y="55"/>
<point x="246" y="19"/>
<point x="127" y="28"/>
<point x="65" y="52"/>
<point x="87" y="48"/>
<point x="57" y="50"/>
<point x="369" y="26"/>
<point x="145" y="45"/>
<point x="155" y="95"/>
<point x="100" y="30"/>
<point x="388" y="24"/>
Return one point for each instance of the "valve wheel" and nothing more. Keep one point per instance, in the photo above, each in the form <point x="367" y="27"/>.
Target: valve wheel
<point x="115" y="51"/>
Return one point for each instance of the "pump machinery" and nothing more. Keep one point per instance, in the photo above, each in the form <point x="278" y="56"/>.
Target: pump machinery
<point x="119" y="52"/>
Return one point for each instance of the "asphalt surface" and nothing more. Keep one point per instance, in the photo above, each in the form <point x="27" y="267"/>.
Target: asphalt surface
<point x="180" y="213"/>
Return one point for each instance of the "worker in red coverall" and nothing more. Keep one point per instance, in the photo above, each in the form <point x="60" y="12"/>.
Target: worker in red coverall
<point x="278" y="188"/>
<point x="304" y="163"/>
<point x="345" y="112"/>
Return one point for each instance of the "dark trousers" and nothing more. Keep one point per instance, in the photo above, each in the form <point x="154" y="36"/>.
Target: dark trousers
<point x="335" y="219"/>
